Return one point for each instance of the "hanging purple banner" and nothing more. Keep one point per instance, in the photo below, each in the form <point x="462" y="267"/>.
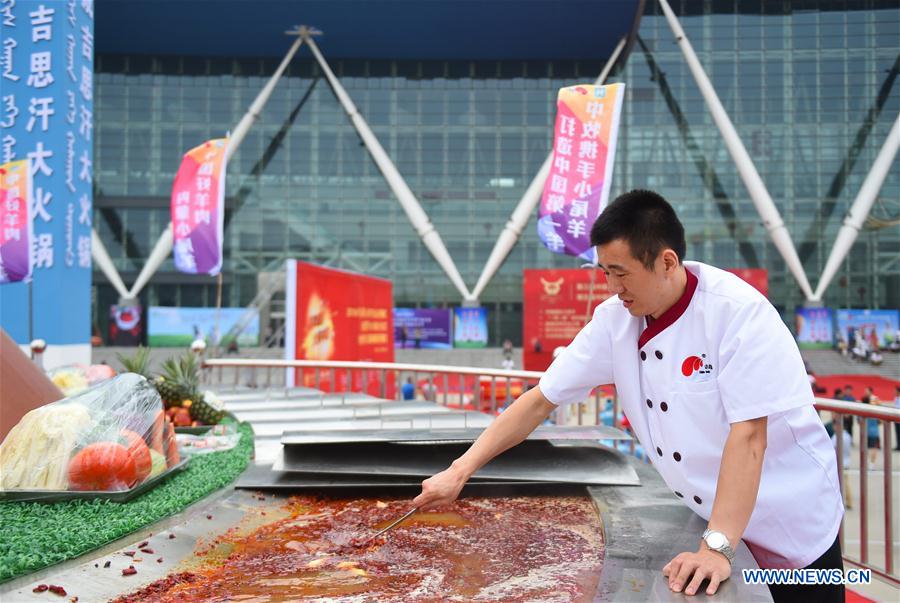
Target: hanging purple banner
<point x="198" y="209"/>
<point x="584" y="146"/>
<point x="16" y="229"/>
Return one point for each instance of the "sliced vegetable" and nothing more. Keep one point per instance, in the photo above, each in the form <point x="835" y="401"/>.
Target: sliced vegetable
<point x="140" y="452"/>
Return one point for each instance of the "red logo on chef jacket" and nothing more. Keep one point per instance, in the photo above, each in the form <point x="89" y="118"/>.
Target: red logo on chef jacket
<point x="695" y="366"/>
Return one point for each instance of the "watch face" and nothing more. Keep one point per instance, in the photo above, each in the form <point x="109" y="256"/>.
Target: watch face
<point x="715" y="540"/>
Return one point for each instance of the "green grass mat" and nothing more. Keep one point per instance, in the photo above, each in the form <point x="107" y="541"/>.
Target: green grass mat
<point x="36" y="535"/>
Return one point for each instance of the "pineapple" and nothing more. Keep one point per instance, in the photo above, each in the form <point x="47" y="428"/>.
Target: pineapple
<point x="178" y="384"/>
<point x="139" y="363"/>
<point x="207" y="409"/>
<point x="168" y="391"/>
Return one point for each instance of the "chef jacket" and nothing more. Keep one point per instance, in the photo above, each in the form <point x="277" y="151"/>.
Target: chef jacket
<point x="720" y="355"/>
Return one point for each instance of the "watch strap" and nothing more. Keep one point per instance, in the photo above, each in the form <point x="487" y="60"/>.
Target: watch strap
<point x="725" y="550"/>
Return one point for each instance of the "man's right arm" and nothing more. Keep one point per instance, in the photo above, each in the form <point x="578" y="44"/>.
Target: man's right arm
<point x="511" y="427"/>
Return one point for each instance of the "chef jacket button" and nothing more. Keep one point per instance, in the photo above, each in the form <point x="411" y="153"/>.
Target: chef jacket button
<point x="659" y="451"/>
<point x="677" y="457"/>
<point x="679" y="494"/>
<point x="698" y="500"/>
<point x="649" y="403"/>
<point x="643" y="355"/>
<point x="663" y="406"/>
<point x="658" y="355"/>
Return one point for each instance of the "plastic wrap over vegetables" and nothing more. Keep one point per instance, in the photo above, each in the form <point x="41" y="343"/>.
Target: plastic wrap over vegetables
<point x="110" y="437"/>
<point x="75" y="378"/>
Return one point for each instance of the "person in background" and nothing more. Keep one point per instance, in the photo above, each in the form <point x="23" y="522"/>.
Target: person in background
<point x="408" y="390"/>
<point x="873" y="438"/>
<point x="417" y="334"/>
<point x="895" y="344"/>
<point x="848" y="419"/>
<point x="842" y="345"/>
<point x="429" y="391"/>
<point x="404" y="335"/>
<point x="874" y="344"/>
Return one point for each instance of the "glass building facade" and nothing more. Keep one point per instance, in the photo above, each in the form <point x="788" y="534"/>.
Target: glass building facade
<point x="810" y="86"/>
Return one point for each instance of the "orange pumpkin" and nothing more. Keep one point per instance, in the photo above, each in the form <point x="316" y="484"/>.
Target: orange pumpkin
<point x="140" y="452"/>
<point x="102" y="466"/>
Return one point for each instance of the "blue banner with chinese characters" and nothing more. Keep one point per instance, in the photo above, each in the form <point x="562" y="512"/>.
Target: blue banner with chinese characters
<point x="46" y="115"/>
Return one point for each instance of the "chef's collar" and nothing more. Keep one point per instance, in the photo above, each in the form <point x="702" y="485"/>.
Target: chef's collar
<point x="655" y="326"/>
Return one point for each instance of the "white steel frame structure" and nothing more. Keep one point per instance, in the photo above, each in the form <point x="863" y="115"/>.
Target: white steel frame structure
<point x="530" y="199"/>
<point x="509" y="236"/>
<point x="163" y="246"/>
<point x="860" y="209"/>
<point x="770" y="215"/>
<point x="405" y="196"/>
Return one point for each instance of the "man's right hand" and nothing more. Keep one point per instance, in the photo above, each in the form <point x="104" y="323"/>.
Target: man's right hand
<point x="507" y="430"/>
<point x="441" y="489"/>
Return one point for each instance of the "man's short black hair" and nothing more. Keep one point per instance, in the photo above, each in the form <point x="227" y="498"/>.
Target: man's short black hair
<point x="645" y="221"/>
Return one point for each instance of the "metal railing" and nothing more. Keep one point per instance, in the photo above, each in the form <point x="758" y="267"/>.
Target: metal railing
<point x="886" y="417"/>
<point x="486" y="389"/>
<point x="499" y="386"/>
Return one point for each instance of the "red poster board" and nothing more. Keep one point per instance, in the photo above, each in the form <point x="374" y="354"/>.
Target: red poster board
<point x="556" y="303"/>
<point x="758" y="277"/>
<point x="338" y="315"/>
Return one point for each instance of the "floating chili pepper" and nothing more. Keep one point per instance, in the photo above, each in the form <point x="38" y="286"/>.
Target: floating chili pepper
<point x="57" y="590"/>
<point x="149" y="551"/>
<point x="129" y="571"/>
<point x="40" y="588"/>
<point x="129" y="553"/>
<point x="107" y="564"/>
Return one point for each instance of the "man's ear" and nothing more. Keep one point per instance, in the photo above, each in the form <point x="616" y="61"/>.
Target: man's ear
<point x="670" y="260"/>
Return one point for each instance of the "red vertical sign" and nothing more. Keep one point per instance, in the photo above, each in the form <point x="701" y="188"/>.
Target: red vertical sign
<point x="339" y="315"/>
<point x="557" y="304"/>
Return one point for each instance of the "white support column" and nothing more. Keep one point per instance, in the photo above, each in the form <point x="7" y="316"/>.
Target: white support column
<point x="408" y="201"/>
<point x="160" y="252"/>
<point x="532" y="196"/>
<point x="105" y="263"/>
<point x="758" y="194"/>
<point x="163" y="246"/>
<point x="860" y="209"/>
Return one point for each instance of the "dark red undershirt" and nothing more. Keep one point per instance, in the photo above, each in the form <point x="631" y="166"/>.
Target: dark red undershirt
<point x="655" y="326"/>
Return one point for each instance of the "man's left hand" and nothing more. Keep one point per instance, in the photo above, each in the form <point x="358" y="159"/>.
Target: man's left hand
<point x="702" y="565"/>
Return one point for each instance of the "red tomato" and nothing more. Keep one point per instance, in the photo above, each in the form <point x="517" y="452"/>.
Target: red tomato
<point x="102" y="466"/>
<point x="140" y="452"/>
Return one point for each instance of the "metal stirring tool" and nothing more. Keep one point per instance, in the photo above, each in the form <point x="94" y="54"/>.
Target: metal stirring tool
<point x="391" y="525"/>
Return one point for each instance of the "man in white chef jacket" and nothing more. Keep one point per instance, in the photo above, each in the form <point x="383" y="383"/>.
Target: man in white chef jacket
<point x="715" y="390"/>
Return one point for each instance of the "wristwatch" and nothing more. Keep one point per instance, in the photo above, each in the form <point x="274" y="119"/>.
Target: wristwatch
<point x="717" y="541"/>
